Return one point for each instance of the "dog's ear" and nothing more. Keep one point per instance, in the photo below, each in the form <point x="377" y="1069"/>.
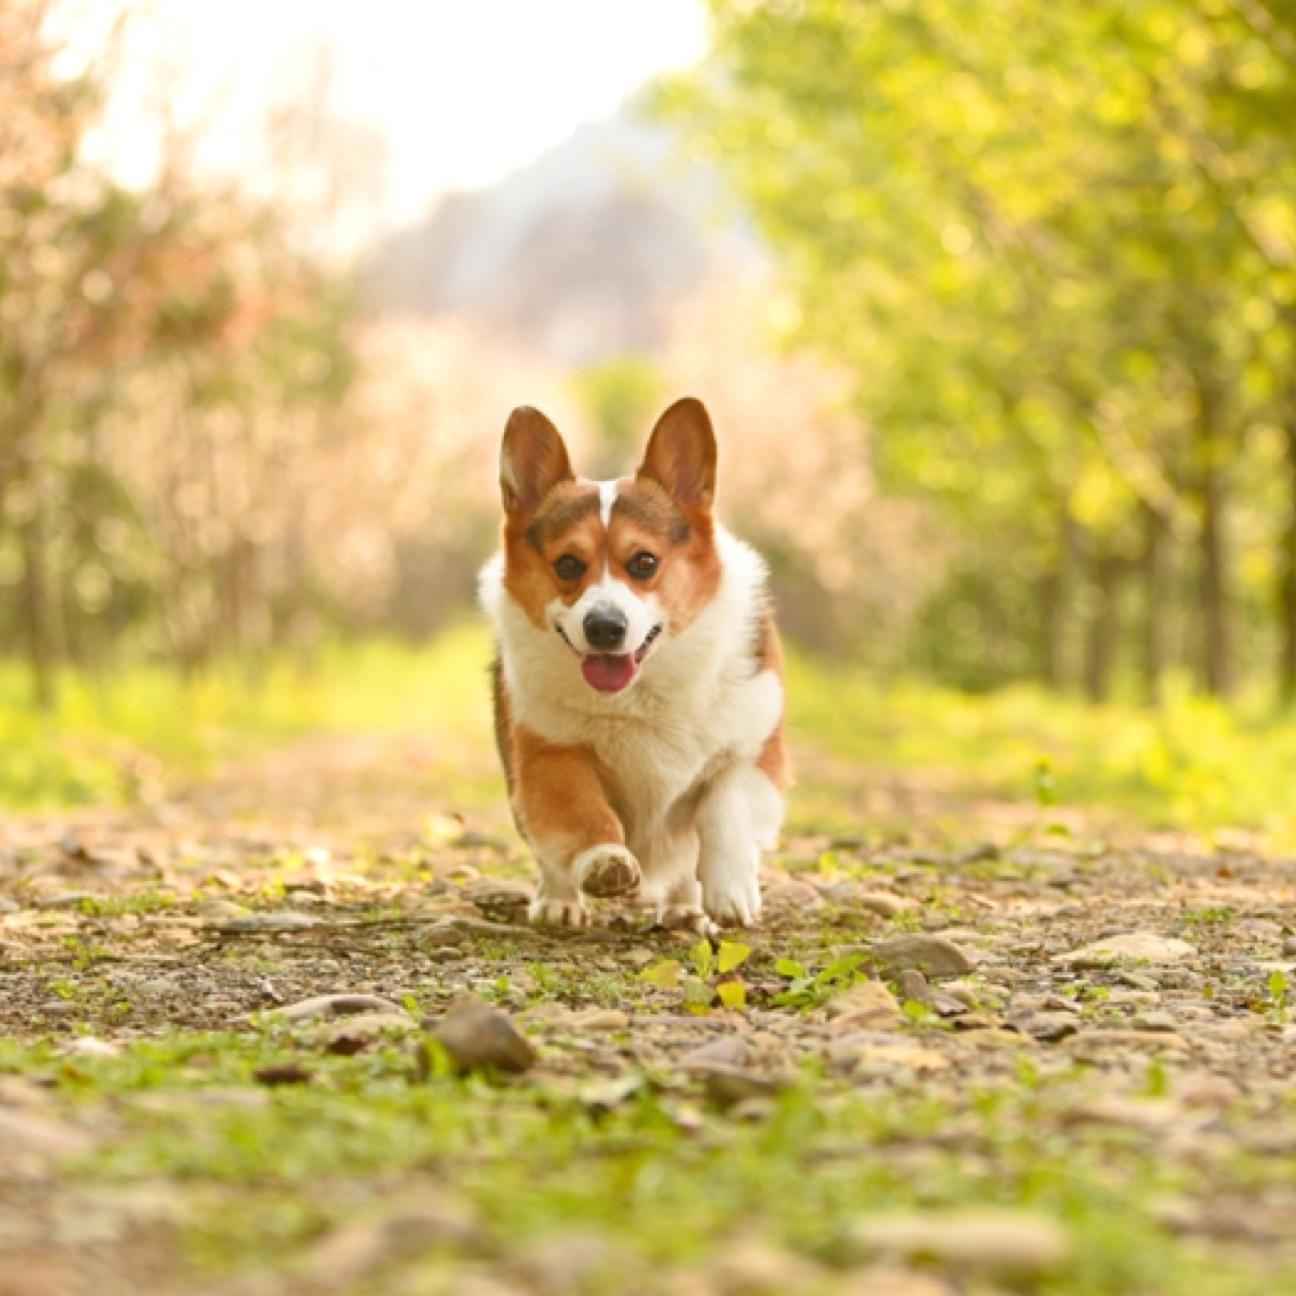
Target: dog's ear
<point x="533" y="460"/>
<point x="681" y="454"/>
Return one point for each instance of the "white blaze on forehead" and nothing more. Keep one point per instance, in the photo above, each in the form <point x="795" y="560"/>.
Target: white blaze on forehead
<point x="607" y="497"/>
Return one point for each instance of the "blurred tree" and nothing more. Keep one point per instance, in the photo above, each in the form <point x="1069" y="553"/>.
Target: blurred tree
<point x="1052" y="244"/>
<point x="621" y="396"/>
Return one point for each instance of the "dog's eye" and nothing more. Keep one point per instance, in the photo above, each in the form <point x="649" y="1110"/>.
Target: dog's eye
<point x="569" y="568"/>
<point x="643" y="565"/>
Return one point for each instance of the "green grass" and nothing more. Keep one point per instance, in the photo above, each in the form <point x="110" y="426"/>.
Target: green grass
<point x="1190" y="764"/>
<point x="534" y="1160"/>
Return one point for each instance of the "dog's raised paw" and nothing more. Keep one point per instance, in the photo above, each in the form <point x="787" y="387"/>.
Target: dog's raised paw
<point x="606" y="870"/>
<point x="543" y="912"/>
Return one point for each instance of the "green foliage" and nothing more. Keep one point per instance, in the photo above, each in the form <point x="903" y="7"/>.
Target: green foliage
<point x="1054" y="246"/>
<point x="621" y="395"/>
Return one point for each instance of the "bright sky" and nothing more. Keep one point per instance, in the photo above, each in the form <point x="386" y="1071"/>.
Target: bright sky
<point x="456" y="93"/>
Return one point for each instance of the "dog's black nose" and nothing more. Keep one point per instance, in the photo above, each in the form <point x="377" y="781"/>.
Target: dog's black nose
<point x="605" y="628"/>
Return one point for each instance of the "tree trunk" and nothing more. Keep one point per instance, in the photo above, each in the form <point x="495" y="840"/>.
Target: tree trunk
<point x="1157" y="601"/>
<point x="1287" y="574"/>
<point x="38" y="596"/>
<point x="1104" y="627"/>
<point x="1054" y="595"/>
<point x="1217" y="660"/>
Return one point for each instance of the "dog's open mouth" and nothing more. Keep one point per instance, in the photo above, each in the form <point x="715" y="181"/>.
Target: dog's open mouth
<point x="612" y="672"/>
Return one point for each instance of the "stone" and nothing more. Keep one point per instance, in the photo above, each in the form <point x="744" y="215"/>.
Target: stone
<point x="481" y="1038"/>
<point x="726" y="1087"/>
<point x="883" y="1059"/>
<point x="354" y="1034"/>
<point x="336" y="1005"/>
<point x="933" y="955"/>
<point x="268" y="921"/>
<point x="1128" y="947"/>
<point x="1047" y="1026"/>
<point x="727" y="1051"/>
<point x="884" y="904"/>
<point x="870" y="1003"/>
<point x="609" y="1019"/>
<point x="752" y="1267"/>
<point x="792" y="897"/>
<point x="345" y="1256"/>
<point x="1014" y="1243"/>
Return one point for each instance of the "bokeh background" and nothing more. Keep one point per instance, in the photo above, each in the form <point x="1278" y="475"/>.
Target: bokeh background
<point x="994" y="307"/>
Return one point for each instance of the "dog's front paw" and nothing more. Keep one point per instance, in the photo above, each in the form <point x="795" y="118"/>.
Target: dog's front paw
<point x="733" y="899"/>
<point x="544" y="912"/>
<point x="606" y="870"/>
<point x="686" y="918"/>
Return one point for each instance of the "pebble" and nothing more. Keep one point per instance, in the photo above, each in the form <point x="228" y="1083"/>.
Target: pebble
<point x="727" y="1051"/>
<point x="67" y="899"/>
<point x="1128" y="947"/>
<point x="751" y="1267"/>
<point x="727" y="1086"/>
<point x="480" y="1038"/>
<point x="336" y="1005"/>
<point x="608" y="1019"/>
<point x="868" y="1004"/>
<point x="998" y="1242"/>
<point x="884" y="904"/>
<point x="354" y="1034"/>
<point x="344" y="1257"/>
<point x="1047" y="1026"/>
<point x="269" y="921"/>
<point x="932" y="955"/>
<point x="792" y="897"/>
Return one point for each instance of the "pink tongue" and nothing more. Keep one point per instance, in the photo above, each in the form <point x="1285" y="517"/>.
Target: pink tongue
<point x="608" y="674"/>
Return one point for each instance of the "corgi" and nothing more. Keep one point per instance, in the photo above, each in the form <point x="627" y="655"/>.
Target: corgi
<point x="638" y="680"/>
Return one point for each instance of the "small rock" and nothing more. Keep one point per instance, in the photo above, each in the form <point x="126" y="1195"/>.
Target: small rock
<point x="353" y="1035"/>
<point x="284" y="1073"/>
<point x="480" y="1038"/>
<point x="1152" y="1115"/>
<point x="600" y="1019"/>
<point x="750" y="1267"/>
<point x="792" y="897"/>
<point x="346" y="1256"/>
<point x="1007" y="1242"/>
<point x="1154" y="1021"/>
<point x="33" y="1144"/>
<point x="503" y="901"/>
<point x="267" y="921"/>
<point x="883" y="1059"/>
<point x="884" y="904"/>
<point x="933" y="955"/>
<point x="913" y="985"/>
<point x="1128" y="947"/>
<point x="1124" y="1037"/>
<point x="88" y="1046"/>
<point x="336" y="1005"/>
<point x="726" y="1087"/>
<point x="1047" y="1026"/>
<point x="728" y="1051"/>
<point x="67" y="900"/>
<point x="8" y="906"/>
<point x="570" y="1261"/>
<point x="892" y="1280"/>
<point x="868" y="1004"/>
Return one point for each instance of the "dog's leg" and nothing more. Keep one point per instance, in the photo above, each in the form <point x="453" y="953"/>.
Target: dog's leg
<point x="576" y="836"/>
<point x="670" y="865"/>
<point x="738" y="816"/>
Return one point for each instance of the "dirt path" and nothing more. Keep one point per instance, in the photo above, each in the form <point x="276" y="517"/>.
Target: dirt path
<point x="1096" y="1042"/>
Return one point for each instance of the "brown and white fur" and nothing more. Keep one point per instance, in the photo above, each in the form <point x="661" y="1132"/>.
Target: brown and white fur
<point x="659" y="766"/>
